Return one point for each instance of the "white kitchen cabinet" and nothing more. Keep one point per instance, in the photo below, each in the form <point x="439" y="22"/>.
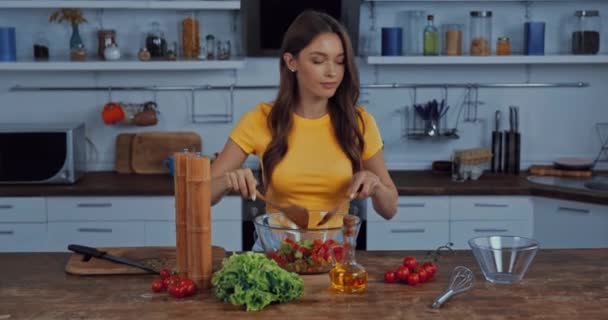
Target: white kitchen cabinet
<point x="475" y="216"/>
<point x="570" y="224"/>
<point x="462" y="231"/>
<point x="108" y="208"/>
<point x="22" y="224"/>
<point x="404" y="235"/>
<point x="95" y="234"/>
<point x="226" y="227"/>
<point x="421" y="223"/>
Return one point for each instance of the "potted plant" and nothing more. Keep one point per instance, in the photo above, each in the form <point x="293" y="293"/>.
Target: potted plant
<point x="75" y="18"/>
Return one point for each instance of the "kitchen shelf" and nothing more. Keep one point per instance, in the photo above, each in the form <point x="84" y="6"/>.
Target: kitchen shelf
<point x="121" y="65"/>
<point x="464" y="60"/>
<point x="128" y="4"/>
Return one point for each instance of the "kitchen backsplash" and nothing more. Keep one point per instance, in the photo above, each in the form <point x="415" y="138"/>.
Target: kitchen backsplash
<point x="555" y="122"/>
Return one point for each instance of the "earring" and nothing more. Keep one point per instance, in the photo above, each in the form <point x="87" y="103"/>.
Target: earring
<point x="292" y="70"/>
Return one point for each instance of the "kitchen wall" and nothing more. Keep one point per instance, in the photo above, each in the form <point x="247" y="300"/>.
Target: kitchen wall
<point x="555" y="122"/>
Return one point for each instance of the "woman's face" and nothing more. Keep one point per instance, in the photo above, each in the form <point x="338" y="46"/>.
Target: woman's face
<point x="319" y="66"/>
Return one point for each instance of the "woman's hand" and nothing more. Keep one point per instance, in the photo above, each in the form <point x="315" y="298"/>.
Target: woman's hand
<point x="364" y="184"/>
<point x="242" y="181"/>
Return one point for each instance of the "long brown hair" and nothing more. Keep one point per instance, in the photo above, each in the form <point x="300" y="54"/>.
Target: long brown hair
<point x="342" y="111"/>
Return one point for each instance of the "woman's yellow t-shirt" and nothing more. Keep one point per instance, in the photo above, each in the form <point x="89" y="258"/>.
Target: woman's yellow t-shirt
<point x="315" y="172"/>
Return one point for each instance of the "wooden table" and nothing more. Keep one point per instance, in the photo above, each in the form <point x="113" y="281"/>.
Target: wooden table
<point x="561" y="284"/>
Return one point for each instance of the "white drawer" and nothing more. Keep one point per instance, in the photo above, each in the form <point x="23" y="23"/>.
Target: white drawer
<point x="229" y="208"/>
<point x="424" y="208"/>
<point x="570" y="224"/>
<point x="226" y="234"/>
<point x="407" y="235"/>
<point x="462" y="231"/>
<point x="110" y="208"/>
<point x="22" y="210"/>
<point x="95" y="234"/>
<point x="18" y="237"/>
<point x="491" y="208"/>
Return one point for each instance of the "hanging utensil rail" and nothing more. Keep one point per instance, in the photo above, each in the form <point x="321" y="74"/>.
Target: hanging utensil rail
<point x="229" y="115"/>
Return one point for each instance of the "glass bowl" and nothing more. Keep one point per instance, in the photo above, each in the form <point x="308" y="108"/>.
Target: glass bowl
<point x="304" y="251"/>
<point x="504" y="259"/>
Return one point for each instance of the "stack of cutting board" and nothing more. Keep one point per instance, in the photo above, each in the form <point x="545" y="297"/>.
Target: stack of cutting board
<point x="144" y="153"/>
<point x="548" y="170"/>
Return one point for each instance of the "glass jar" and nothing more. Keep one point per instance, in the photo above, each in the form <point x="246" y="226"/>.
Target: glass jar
<point x="503" y="46"/>
<point x="156" y="43"/>
<point x="190" y="37"/>
<point x="586" y="32"/>
<point x="413" y="24"/>
<point x="41" y="47"/>
<point x="452" y="39"/>
<point x="210" y="40"/>
<point x="481" y="33"/>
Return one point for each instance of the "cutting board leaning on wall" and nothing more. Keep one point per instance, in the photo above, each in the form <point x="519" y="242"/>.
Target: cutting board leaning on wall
<point x="144" y="153"/>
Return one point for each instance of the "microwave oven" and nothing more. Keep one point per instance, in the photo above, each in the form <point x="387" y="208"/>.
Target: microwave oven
<point x="266" y="21"/>
<point x="42" y="153"/>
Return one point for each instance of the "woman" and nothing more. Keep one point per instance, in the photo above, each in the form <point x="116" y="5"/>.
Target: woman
<point x="316" y="146"/>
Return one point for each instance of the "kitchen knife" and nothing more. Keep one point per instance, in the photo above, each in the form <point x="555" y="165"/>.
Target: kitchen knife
<point x="92" y="252"/>
<point x="496" y="165"/>
<point x="516" y="142"/>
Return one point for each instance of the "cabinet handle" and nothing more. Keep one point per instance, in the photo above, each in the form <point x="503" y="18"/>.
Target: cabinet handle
<point x="7" y="232"/>
<point x="6" y="206"/>
<point x="490" y="230"/>
<point x="98" y="230"/>
<point x="411" y="205"/>
<point x="408" y="230"/>
<point x="94" y="205"/>
<point x="574" y="210"/>
<point x="491" y="205"/>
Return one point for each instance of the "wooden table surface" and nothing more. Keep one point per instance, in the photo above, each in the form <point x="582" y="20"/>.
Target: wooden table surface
<point x="561" y="284"/>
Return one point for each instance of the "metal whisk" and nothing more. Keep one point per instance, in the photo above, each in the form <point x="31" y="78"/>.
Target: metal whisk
<point x="461" y="279"/>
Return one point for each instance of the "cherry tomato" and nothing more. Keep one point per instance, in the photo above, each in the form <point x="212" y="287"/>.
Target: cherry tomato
<point x="410" y="262"/>
<point x="190" y="289"/>
<point x="166" y="283"/>
<point x="175" y="280"/>
<point x="423" y="275"/>
<point x="177" y="291"/>
<point x="165" y="273"/>
<point x="430" y="269"/>
<point x="413" y="279"/>
<point x="157" y="285"/>
<point x="390" y="276"/>
<point x="402" y="273"/>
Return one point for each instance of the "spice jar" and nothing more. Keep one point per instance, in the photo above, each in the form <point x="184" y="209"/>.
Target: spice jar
<point x="481" y="33"/>
<point x="503" y="46"/>
<point x="586" y="32"/>
<point x="210" y="39"/>
<point x="452" y="39"/>
<point x="190" y="37"/>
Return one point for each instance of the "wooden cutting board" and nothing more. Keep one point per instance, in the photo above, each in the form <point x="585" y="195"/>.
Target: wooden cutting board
<point x="544" y="170"/>
<point x="150" y="149"/>
<point x="155" y="257"/>
<point x="123" y="152"/>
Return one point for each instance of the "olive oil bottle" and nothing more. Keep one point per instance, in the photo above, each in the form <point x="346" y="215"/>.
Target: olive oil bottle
<point x="431" y="38"/>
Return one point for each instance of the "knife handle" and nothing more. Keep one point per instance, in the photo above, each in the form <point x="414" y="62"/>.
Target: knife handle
<point x="87" y="251"/>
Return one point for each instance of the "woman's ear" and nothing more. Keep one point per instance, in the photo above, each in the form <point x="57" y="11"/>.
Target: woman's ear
<point x="290" y="61"/>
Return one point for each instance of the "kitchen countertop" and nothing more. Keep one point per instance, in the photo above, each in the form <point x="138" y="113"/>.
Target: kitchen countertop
<point x="409" y="183"/>
<point x="561" y="284"/>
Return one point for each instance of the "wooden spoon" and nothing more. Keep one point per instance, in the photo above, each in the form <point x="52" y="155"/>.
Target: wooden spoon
<point x="297" y="214"/>
<point x="333" y="211"/>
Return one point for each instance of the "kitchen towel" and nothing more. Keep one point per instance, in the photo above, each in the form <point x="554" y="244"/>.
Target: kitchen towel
<point x="534" y="38"/>
<point x="8" y="44"/>
<point x="391" y="41"/>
